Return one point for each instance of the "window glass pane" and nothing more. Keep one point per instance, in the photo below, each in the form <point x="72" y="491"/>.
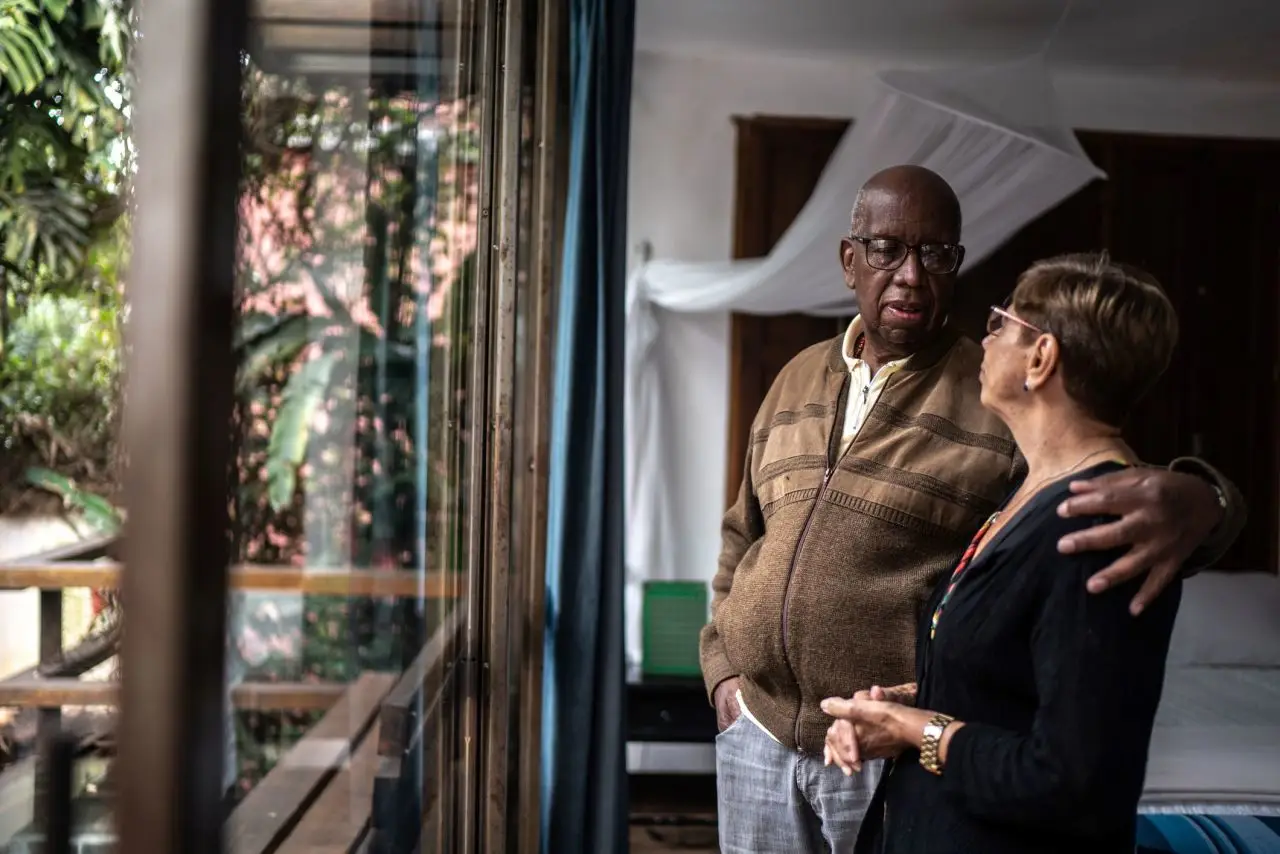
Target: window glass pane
<point x="352" y="491"/>
<point x="352" y="488"/>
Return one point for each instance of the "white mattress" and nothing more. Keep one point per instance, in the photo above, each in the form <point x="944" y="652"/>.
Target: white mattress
<point x="1216" y="745"/>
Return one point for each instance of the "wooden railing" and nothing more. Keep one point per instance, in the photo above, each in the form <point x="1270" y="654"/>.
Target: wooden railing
<point x="85" y="564"/>
<point x="25" y="691"/>
<point x="355" y="776"/>
<point x="105" y="575"/>
<point x="383" y="751"/>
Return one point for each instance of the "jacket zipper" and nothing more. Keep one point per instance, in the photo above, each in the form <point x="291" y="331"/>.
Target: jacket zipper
<point x="837" y="431"/>
<point x="833" y="460"/>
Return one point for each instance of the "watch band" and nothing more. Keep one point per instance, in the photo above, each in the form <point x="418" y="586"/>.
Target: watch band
<point x="931" y="741"/>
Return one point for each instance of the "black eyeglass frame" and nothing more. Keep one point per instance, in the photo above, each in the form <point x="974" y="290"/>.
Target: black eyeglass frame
<point x="910" y="247"/>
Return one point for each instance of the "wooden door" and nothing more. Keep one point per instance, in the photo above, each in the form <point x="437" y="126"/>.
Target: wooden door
<point x="779" y="161"/>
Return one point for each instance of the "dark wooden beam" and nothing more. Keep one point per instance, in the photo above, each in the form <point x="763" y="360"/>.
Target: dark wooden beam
<point x="180" y="376"/>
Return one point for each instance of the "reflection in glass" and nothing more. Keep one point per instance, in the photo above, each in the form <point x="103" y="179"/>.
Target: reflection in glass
<point x="359" y="219"/>
<point x="358" y="233"/>
<point x="351" y="493"/>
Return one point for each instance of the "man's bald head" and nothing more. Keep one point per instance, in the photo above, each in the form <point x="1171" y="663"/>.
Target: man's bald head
<point x="912" y="187"/>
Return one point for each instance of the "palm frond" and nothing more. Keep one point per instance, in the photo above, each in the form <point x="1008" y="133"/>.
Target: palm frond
<point x="47" y="225"/>
<point x="26" y="55"/>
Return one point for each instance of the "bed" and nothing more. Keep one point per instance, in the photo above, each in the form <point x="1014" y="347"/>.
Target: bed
<point x="1216" y="746"/>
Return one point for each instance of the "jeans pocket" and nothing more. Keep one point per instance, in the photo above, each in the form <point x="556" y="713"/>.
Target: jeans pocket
<point x="738" y="722"/>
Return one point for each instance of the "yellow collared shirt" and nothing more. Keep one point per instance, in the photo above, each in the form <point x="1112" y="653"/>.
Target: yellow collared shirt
<point x="864" y="388"/>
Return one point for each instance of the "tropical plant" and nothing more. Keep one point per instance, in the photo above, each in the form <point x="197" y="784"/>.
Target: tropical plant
<point x="264" y="344"/>
<point x="59" y="395"/>
<point x="328" y="280"/>
<point x="64" y="162"/>
<point x="63" y="149"/>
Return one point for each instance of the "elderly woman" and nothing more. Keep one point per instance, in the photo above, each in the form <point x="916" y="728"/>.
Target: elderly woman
<point x="1030" y="727"/>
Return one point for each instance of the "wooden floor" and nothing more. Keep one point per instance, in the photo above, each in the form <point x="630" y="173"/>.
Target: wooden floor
<point x="645" y="840"/>
<point x="675" y="812"/>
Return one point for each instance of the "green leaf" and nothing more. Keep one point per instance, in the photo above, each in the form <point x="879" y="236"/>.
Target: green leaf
<point x="100" y="513"/>
<point x="57" y="9"/>
<point x="95" y="509"/>
<point x="19" y="62"/>
<point x="265" y="344"/>
<point x="113" y="37"/>
<point x="93" y="13"/>
<point x="258" y="325"/>
<point x="48" y="225"/>
<point x="303" y="394"/>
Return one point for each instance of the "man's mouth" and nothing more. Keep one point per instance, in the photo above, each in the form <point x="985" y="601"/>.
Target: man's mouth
<point x="907" y="312"/>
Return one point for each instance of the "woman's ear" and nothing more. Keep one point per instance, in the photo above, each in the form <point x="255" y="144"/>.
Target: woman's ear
<point x="1042" y="361"/>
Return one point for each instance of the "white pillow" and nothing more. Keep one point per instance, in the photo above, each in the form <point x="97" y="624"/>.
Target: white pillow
<point x="1228" y="619"/>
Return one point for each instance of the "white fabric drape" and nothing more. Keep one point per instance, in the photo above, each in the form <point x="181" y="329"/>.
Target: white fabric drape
<point x="992" y="133"/>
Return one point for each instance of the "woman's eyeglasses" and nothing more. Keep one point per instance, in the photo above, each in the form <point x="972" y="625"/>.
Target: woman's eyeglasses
<point x="1000" y="316"/>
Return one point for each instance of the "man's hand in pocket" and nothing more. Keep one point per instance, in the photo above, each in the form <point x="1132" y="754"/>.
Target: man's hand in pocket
<point x="727" y="708"/>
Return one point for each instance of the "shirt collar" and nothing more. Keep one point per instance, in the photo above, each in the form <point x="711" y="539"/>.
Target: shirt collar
<point x="851" y="338"/>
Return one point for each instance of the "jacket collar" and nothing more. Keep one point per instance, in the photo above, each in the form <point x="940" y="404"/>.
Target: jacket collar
<point x="924" y="359"/>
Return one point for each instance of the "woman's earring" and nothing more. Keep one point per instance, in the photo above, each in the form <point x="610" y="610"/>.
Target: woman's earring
<point x="1026" y="386"/>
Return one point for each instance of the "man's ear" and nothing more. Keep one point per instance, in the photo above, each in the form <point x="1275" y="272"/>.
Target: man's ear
<point x="847" y="259"/>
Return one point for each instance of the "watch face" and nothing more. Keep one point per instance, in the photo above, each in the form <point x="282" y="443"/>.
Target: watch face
<point x="932" y="731"/>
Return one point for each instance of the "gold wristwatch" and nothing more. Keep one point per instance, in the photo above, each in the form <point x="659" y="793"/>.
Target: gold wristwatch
<point x="932" y="740"/>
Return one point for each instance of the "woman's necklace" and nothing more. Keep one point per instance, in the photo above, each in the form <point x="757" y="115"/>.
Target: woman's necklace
<point x="993" y="524"/>
<point x="999" y="518"/>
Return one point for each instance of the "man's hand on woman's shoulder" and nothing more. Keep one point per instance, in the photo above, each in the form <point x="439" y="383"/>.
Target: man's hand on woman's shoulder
<point x="1164" y="516"/>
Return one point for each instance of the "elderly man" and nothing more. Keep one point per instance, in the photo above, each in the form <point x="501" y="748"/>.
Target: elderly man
<point x="871" y="465"/>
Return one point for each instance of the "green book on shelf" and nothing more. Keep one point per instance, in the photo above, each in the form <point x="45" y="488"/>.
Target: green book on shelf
<point x="674" y="613"/>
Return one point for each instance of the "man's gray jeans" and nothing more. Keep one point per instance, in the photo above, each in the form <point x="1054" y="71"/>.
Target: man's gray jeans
<point x="771" y="799"/>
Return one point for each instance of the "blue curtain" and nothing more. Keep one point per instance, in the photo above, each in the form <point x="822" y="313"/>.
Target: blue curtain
<point x="584" y="787"/>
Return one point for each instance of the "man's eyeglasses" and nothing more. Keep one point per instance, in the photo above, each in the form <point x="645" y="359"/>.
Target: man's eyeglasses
<point x="888" y="253"/>
<point x="1000" y="316"/>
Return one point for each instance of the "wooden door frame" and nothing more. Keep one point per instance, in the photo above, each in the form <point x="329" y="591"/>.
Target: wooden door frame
<point x="750" y="241"/>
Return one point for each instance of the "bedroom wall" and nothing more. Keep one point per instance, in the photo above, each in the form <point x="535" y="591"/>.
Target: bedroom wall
<point x="681" y="198"/>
